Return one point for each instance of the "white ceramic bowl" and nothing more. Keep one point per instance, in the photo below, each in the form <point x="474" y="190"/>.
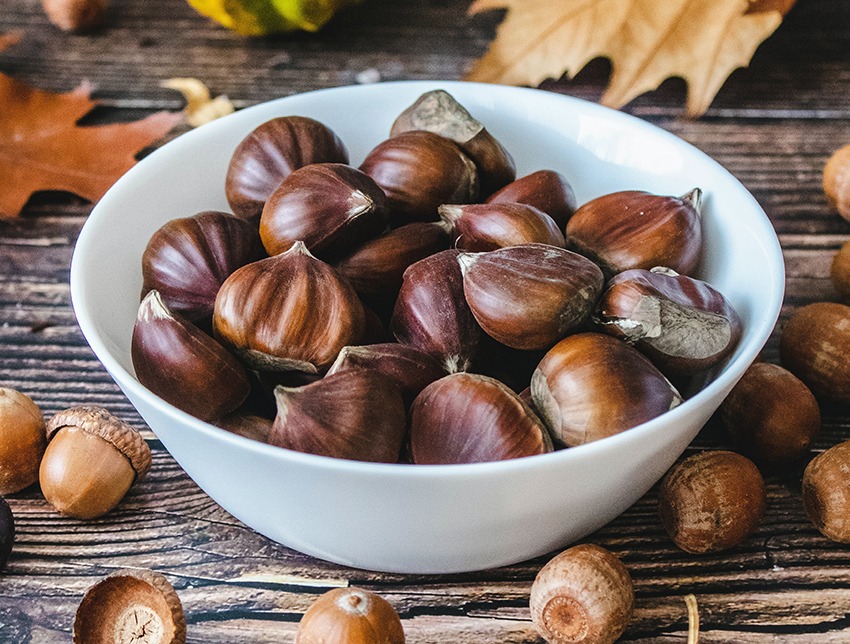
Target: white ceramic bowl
<point x="428" y="519"/>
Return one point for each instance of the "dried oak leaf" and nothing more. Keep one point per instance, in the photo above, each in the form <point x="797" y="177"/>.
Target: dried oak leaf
<point x="647" y="41"/>
<point x="43" y="148"/>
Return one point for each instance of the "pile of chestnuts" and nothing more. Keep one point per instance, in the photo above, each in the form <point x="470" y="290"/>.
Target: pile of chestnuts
<point x="428" y="306"/>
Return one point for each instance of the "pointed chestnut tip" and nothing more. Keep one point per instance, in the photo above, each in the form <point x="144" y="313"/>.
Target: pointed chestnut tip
<point x="694" y="197"/>
<point x="299" y="248"/>
<point x="153" y="308"/>
<point x="467" y="260"/>
<point x="450" y="213"/>
<point x="663" y="270"/>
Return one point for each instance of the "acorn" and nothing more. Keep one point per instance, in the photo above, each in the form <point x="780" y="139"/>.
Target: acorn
<point x="418" y="171"/>
<point x="183" y="365"/>
<point x="437" y="111"/>
<point x="530" y="296"/>
<point x="483" y="227"/>
<point x="188" y="259"/>
<point x="469" y="418"/>
<point x="826" y="492"/>
<point x="350" y="616"/>
<point x="331" y="207"/>
<point x="636" y="229"/>
<point x="590" y="386"/>
<point x="682" y="324"/>
<point x="290" y="312"/>
<point x="546" y="190"/>
<point x="270" y="153"/>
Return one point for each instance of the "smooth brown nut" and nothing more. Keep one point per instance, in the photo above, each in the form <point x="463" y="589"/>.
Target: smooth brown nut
<point x="469" y="418"/>
<point x="711" y="501"/>
<point x="635" y="229"/>
<point x="437" y="111"/>
<point x="183" y="365"/>
<point x="584" y="595"/>
<point x="418" y="171"/>
<point x="7" y="532"/>
<point x="130" y="606"/>
<point x="188" y="259"/>
<point x="92" y="459"/>
<point x="546" y="190"/>
<point x="771" y="415"/>
<point x="826" y="492"/>
<point x="682" y="324"/>
<point x="409" y="368"/>
<point x="75" y="15"/>
<point x="352" y="616"/>
<point x="483" y="227"/>
<point x="288" y="312"/>
<point x="376" y="268"/>
<point x="840" y="271"/>
<point x="22" y="441"/>
<point x="815" y="347"/>
<point x="357" y="415"/>
<point x="431" y="313"/>
<point x="836" y="181"/>
<point x="270" y="153"/>
<point x="530" y="296"/>
<point x="331" y="207"/>
<point x="590" y="385"/>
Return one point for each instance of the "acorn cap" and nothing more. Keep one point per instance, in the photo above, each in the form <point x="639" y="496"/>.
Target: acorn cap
<point x="98" y="421"/>
<point x="130" y="605"/>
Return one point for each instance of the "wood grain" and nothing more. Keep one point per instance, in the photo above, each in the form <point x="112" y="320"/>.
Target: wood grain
<point x="773" y="126"/>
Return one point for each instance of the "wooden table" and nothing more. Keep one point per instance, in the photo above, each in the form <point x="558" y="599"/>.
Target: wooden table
<point x="773" y="126"/>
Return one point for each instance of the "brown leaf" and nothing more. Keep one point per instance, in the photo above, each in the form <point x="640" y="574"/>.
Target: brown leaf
<point x="43" y="148"/>
<point x="647" y="41"/>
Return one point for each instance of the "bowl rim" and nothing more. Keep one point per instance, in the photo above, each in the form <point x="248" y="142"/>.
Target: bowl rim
<point x="731" y="371"/>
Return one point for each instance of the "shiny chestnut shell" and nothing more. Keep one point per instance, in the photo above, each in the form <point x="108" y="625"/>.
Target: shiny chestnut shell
<point x="530" y="296"/>
<point x="682" y="324"/>
<point x="483" y="227"/>
<point x="270" y="153"/>
<point x="590" y="386"/>
<point x="188" y="259"/>
<point x="546" y="190"/>
<point x="469" y="418"/>
<point x="288" y="312"/>
<point x="636" y="229"/>
<point x="331" y="207"/>
<point x="418" y="171"/>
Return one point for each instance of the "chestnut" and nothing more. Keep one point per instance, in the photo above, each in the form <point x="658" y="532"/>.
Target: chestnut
<point x="431" y="313"/>
<point x="288" y="312"/>
<point x="356" y="414"/>
<point x="270" y="153"/>
<point x="529" y="296"/>
<point x="546" y="190"/>
<point x="636" y="229"/>
<point x="437" y="111"/>
<point x="469" y="418"/>
<point x="418" y="171"/>
<point x="590" y="385"/>
<point x="682" y="324"/>
<point x="483" y="227"/>
<point x="183" y="365"/>
<point x="331" y="207"/>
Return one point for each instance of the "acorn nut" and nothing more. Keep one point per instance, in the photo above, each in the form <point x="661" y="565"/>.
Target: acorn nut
<point x="584" y="595"/>
<point x="288" y="312"/>
<point x="483" y="227"/>
<point x="826" y="492"/>
<point x="468" y="418"/>
<point x="75" y="15"/>
<point x="22" y="441"/>
<point x="7" y="532"/>
<point x="92" y="460"/>
<point x="682" y="324"/>
<point x="546" y="190"/>
<point x="836" y="181"/>
<point x="188" y="259"/>
<point x="711" y="501"/>
<point x="130" y="606"/>
<point x="590" y="385"/>
<point x="418" y="171"/>
<point x="350" y="616"/>
<point x="331" y="207"/>
<point x="437" y="111"/>
<point x="636" y="229"/>
<point x="270" y="153"/>
<point x="839" y="271"/>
